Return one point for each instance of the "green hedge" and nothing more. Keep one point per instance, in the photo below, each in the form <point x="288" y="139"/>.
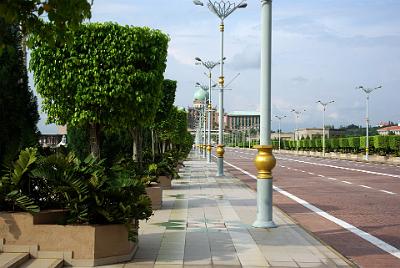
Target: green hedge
<point x="377" y="144"/>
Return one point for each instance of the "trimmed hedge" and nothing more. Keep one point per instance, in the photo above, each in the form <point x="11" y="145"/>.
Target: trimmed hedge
<point x="377" y="144"/>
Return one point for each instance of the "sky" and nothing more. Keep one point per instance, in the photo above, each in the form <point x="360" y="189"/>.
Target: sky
<point x="321" y="50"/>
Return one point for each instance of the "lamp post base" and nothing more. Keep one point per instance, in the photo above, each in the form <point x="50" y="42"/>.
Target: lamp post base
<point x="220" y="160"/>
<point x="209" y="153"/>
<point x="264" y="224"/>
<point x="265" y="162"/>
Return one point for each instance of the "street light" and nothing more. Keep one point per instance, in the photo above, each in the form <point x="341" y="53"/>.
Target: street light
<point x="265" y="160"/>
<point x="279" y="129"/>
<point x="324" y="105"/>
<point x="222" y="9"/>
<point x="209" y="65"/>
<point x="297" y="113"/>
<point x="202" y="96"/>
<point x="367" y="92"/>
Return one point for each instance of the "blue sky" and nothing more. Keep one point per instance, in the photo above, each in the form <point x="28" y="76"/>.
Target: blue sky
<point x="322" y="50"/>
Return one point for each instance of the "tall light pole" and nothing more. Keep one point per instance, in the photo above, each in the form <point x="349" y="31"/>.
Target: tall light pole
<point x="367" y="92"/>
<point x="297" y="114"/>
<point x="209" y="65"/>
<point x="222" y="9"/>
<point x="265" y="160"/>
<point x="279" y="129"/>
<point x="324" y="105"/>
<point x="201" y="95"/>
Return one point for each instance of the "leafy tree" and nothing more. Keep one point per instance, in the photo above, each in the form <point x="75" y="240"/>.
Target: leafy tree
<point x="18" y="107"/>
<point x="29" y="14"/>
<point x="109" y="76"/>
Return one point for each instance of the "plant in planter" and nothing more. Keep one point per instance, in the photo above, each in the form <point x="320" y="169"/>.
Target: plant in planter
<point x="15" y="188"/>
<point x="153" y="190"/>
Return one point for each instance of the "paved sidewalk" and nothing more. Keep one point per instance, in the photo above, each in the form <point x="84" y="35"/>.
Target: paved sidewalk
<point x="206" y="222"/>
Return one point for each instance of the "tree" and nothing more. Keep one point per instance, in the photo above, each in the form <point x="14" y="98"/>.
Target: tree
<point x="18" y="106"/>
<point x="29" y="14"/>
<point x="109" y="76"/>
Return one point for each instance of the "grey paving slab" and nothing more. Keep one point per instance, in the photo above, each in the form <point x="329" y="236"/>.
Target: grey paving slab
<point x="206" y="222"/>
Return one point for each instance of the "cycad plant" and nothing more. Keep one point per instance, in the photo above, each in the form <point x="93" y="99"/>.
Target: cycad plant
<point x="15" y="184"/>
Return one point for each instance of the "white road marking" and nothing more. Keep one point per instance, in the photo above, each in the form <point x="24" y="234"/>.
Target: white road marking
<point x="311" y="173"/>
<point x="366" y="236"/>
<point x="322" y="176"/>
<point x="332" y="179"/>
<point x="337" y="167"/>
<point x="347" y="182"/>
<point x="365" y="186"/>
<point x="387" y="192"/>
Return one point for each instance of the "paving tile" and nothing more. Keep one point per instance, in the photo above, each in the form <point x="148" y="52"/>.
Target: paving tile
<point x="206" y="222"/>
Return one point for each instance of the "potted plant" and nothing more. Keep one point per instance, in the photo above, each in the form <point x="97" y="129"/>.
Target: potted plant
<point x="102" y="207"/>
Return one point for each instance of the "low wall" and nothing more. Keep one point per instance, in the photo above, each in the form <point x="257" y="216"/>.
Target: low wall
<point x="89" y="245"/>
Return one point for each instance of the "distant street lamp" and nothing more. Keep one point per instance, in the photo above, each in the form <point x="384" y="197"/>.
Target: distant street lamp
<point x="201" y="95"/>
<point x="222" y="9"/>
<point x="279" y="129"/>
<point x="297" y="115"/>
<point x="367" y="92"/>
<point x="324" y="105"/>
<point x="209" y="65"/>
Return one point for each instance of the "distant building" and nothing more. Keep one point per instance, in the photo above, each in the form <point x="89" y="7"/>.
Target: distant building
<point x="314" y="133"/>
<point x="54" y="140"/>
<point x="388" y="130"/>
<point x="240" y="120"/>
<point x="284" y="136"/>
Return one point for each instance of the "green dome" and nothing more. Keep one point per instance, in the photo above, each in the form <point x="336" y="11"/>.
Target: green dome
<point x="200" y="95"/>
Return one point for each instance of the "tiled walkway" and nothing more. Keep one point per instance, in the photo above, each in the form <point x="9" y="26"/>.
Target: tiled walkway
<point x="206" y="221"/>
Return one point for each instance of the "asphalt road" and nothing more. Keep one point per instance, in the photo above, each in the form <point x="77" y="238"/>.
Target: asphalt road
<point x="353" y="207"/>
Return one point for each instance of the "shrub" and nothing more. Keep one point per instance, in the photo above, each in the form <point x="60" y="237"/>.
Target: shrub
<point x="394" y="144"/>
<point x="354" y="144"/>
<point x="381" y="144"/>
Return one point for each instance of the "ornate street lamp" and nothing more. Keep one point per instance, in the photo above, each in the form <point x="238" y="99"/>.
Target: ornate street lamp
<point x="265" y="161"/>
<point x="201" y="95"/>
<point x="367" y="92"/>
<point x="324" y="105"/>
<point x="222" y="9"/>
<point x="279" y="129"/>
<point x="297" y="114"/>
<point x="209" y="65"/>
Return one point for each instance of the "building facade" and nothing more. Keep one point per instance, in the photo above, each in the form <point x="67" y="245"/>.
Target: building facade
<point x="389" y="130"/>
<point x="240" y="120"/>
<point x="314" y="133"/>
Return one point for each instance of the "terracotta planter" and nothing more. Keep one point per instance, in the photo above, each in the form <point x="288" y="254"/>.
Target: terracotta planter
<point x="155" y="194"/>
<point x="164" y="182"/>
<point x="81" y="245"/>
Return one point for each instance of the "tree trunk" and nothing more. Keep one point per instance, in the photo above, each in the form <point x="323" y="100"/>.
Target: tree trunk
<point x="134" y="144"/>
<point x="152" y="144"/>
<point x="163" y="147"/>
<point x="95" y="140"/>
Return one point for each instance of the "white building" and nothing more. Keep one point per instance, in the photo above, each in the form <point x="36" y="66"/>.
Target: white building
<point x="388" y="130"/>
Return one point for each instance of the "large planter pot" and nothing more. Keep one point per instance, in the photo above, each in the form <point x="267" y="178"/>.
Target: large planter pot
<point x="155" y="195"/>
<point x="164" y="182"/>
<point x="81" y="245"/>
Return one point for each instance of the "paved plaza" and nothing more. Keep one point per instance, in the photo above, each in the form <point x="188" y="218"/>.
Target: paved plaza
<point x="206" y="221"/>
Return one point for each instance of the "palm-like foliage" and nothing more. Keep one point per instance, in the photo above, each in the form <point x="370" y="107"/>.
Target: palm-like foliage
<point x="15" y="184"/>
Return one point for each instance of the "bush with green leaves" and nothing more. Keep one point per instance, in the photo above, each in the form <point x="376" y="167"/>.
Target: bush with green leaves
<point x="381" y="144"/>
<point x="90" y="192"/>
<point x="354" y="144"/>
<point x="394" y="144"/>
<point x="334" y="144"/>
<point x="344" y="144"/>
<point x="15" y="184"/>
